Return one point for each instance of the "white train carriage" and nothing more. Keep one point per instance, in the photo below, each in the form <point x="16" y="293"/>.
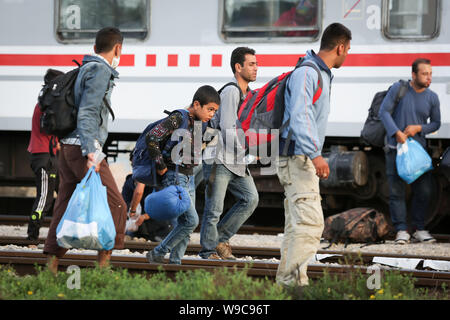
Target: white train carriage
<point x="173" y="46"/>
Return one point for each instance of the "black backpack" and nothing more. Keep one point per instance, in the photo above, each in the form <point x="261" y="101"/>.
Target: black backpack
<point x="57" y="103"/>
<point x="373" y="132"/>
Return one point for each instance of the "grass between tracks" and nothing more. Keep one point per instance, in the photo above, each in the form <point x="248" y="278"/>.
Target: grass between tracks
<point x="118" y="284"/>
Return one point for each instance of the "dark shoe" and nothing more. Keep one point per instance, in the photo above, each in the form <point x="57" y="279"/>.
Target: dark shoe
<point x="153" y="258"/>
<point x="33" y="231"/>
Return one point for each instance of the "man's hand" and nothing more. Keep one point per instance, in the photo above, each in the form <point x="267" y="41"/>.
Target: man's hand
<point x="91" y="162"/>
<point x="142" y="218"/>
<point x="161" y="172"/>
<point x="412" y="130"/>
<point x="322" y="168"/>
<point x="401" y="137"/>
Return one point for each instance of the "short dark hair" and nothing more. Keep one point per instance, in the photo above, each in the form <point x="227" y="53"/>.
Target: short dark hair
<point x="415" y="65"/>
<point x="335" y="34"/>
<point x="238" y="56"/>
<point x="107" y="38"/>
<point x="206" y="94"/>
<point x="51" y="74"/>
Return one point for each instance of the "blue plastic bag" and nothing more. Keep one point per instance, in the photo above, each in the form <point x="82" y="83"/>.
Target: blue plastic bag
<point x="167" y="204"/>
<point x="412" y="160"/>
<point x="87" y="222"/>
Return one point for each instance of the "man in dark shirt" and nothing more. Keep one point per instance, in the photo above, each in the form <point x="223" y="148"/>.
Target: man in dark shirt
<point x="410" y="119"/>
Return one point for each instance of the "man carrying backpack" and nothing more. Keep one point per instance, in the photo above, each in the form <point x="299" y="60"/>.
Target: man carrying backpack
<point x="92" y="91"/>
<point x="410" y="119"/>
<point x="43" y="148"/>
<point x="300" y="169"/>
<point x="161" y="145"/>
<point x="229" y="172"/>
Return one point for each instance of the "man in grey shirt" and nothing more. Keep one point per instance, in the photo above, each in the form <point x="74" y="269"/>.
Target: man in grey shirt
<point x="229" y="170"/>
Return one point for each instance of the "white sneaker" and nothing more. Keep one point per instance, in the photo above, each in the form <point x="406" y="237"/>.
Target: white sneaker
<point x="423" y="236"/>
<point x="402" y="237"/>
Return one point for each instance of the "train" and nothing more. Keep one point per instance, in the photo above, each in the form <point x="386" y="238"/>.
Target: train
<point x="172" y="47"/>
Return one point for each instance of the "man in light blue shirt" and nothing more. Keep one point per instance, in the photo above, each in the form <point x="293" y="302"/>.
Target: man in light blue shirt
<point x="300" y="170"/>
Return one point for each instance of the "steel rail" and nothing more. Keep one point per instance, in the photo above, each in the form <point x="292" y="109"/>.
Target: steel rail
<point x="245" y="229"/>
<point x="24" y="262"/>
<point x="254" y="252"/>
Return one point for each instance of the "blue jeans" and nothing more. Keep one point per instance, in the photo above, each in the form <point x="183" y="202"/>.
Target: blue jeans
<point x="243" y="189"/>
<point x="177" y="240"/>
<point x="421" y="195"/>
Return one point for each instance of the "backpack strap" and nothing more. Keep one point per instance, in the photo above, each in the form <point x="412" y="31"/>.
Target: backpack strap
<point x="318" y="92"/>
<point x="104" y="97"/>
<point x="241" y="94"/>
<point x="401" y="91"/>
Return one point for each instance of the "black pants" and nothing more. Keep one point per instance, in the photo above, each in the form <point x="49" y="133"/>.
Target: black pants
<point x="45" y="169"/>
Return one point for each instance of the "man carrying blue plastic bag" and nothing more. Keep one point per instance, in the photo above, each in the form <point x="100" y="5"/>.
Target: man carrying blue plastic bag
<point x="410" y="119"/>
<point x="92" y="91"/>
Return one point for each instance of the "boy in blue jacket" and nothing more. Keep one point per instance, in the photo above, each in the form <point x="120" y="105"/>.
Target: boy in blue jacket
<point x="204" y="105"/>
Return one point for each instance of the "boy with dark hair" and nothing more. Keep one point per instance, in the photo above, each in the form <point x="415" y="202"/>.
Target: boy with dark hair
<point x="92" y="91"/>
<point x="410" y="119"/>
<point x="300" y="170"/>
<point x="42" y="149"/>
<point x="160" y="142"/>
<point x="229" y="172"/>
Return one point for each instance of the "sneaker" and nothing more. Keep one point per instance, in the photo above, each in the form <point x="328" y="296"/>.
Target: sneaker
<point x="224" y="251"/>
<point x="402" y="237"/>
<point x="423" y="236"/>
<point x="152" y="257"/>
<point x="214" y="256"/>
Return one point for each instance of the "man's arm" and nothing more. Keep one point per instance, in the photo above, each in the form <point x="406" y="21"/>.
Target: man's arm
<point x="229" y="101"/>
<point x="96" y="82"/>
<point x="137" y="196"/>
<point x="159" y="134"/>
<point x="302" y="118"/>
<point x="386" y="109"/>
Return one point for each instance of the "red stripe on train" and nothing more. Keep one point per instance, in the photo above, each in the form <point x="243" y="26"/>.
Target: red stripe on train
<point x="360" y="59"/>
<point x="264" y="60"/>
<point x="61" y="60"/>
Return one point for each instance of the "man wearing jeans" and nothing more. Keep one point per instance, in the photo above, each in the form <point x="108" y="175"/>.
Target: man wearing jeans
<point x="301" y="168"/>
<point x="229" y="172"/>
<point x="410" y="119"/>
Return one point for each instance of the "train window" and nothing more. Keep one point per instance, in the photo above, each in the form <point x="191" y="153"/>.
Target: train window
<point x="271" y="20"/>
<point x="411" y="19"/>
<point x="79" y="20"/>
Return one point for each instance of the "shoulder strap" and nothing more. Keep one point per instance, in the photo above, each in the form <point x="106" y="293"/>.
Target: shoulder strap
<point x="104" y="97"/>
<point x="402" y="91"/>
<point x="231" y="83"/>
<point x="302" y="63"/>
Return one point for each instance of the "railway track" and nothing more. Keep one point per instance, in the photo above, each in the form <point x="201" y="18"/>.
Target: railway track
<point x="254" y="252"/>
<point x="245" y="229"/>
<point x="24" y="263"/>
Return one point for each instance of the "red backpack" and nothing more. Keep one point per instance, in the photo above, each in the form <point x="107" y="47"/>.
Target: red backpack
<point x="263" y="108"/>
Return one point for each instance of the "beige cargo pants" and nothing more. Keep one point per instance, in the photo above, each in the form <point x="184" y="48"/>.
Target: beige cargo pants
<point x="303" y="218"/>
